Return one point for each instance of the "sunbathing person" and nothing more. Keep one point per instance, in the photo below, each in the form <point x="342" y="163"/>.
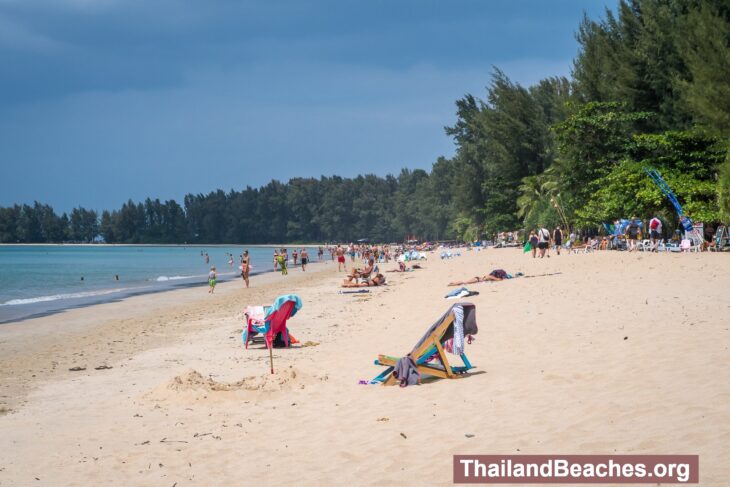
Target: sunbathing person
<point x="401" y="268"/>
<point x="495" y="275"/>
<point x="361" y="273"/>
<point x="377" y="280"/>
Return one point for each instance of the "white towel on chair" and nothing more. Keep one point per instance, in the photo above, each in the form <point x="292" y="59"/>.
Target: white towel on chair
<point x="458" y="330"/>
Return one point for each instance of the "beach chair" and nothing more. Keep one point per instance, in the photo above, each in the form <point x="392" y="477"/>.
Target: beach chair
<point x="685" y="245"/>
<point x="721" y="240"/>
<point x="273" y="322"/>
<point x="429" y="354"/>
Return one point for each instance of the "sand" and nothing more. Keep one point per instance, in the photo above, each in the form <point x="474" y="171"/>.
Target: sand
<point x="619" y="353"/>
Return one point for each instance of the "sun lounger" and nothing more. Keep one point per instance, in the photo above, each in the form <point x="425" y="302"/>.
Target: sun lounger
<point x="429" y="354"/>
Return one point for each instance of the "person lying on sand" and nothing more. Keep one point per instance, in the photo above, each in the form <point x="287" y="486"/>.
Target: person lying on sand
<point x="378" y="280"/>
<point x="495" y="275"/>
<point x="402" y="267"/>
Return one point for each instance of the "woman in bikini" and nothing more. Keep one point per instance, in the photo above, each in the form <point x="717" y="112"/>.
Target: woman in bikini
<point x="245" y="267"/>
<point x="495" y="275"/>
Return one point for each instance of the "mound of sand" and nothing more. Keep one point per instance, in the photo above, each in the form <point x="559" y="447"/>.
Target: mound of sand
<point x="195" y="381"/>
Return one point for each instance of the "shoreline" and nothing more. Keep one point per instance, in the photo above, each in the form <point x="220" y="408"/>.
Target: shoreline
<point x="56" y="302"/>
<point x="113" y="296"/>
<point x="21" y="337"/>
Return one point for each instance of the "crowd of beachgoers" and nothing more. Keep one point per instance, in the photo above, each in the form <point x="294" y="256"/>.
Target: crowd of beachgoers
<point x="629" y="235"/>
<point x="360" y="260"/>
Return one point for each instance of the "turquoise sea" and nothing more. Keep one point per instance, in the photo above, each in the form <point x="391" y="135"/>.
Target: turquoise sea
<point x="42" y="279"/>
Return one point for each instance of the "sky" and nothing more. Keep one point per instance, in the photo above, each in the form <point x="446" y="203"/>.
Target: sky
<point x="106" y="100"/>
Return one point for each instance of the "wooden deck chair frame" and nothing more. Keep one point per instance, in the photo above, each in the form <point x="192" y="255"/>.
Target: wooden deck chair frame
<point x="421" y="354"/>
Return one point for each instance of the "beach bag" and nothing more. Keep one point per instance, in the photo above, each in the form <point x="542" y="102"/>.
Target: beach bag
<point x="279" y="341"/>
<point x="527" y="247"/>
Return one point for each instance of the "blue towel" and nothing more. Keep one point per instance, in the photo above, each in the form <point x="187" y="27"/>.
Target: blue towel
<point x="456" y="292"/>
<point x="281" y="300"/>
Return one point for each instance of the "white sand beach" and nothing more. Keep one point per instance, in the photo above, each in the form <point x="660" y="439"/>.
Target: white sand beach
<point x="618" y="353"/>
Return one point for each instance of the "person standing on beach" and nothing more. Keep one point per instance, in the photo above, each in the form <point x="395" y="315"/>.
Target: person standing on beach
<point x="655" y="233"/>
<point x="281" y="258"/>
<point x="543" y="243"/>
<point x="632" y="233"/>
<point x="245" y="267"/>
<point x="558" y="239"/>
<point x="276" y="259"/>
<point x="533" y="243"/>
<point x="294" y="256"/>
<point x="305" y="259"/>
<point x="340" y="258"/>
<point x="211" y="280"/>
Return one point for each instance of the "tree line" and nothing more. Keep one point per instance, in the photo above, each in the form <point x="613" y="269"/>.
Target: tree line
<point x="650" y="87"/>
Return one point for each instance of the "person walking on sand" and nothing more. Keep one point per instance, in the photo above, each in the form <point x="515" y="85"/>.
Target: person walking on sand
<point x="533" y="243"/>
<point x="340" y="258"/>
<point x="655" y="233"/>
<point x="632" y="233"/>
<point x="295" y="256"/>
<point x="543" y="236"/>
<point x="558" y="239"/>
<point x="281" y="258"/>
<point x="305" y="259"/>
<point x="245" y="267"/>
<point x="212" y="280"/>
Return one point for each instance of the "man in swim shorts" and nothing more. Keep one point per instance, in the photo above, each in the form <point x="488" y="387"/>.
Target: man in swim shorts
<point x="340" y="252"/>
<point x="543" y="237"/>
<point x="558" y="239"/>
<point x="305" y="259"/>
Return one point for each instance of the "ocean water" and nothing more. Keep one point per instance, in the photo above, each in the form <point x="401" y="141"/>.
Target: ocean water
<point x="42" y="279"/>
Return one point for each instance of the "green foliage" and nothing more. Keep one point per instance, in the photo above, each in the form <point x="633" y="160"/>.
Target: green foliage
<point x="704" y="43"/>
<point x="688" y="162"/>
<point x="591" y="141"/>
<point x="723" y="192"/>
<point x="499" y="142"/>
<point x="633" y="57"/>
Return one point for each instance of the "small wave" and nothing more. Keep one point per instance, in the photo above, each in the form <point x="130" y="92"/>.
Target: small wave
<point x="56" y="297"/>
<point x="174" y="278"/>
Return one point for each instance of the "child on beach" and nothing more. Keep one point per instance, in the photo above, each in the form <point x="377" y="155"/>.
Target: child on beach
<point x="211" y="280"/>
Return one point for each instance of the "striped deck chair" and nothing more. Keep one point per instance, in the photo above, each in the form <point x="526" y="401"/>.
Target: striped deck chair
<point x="429" y="354"/>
